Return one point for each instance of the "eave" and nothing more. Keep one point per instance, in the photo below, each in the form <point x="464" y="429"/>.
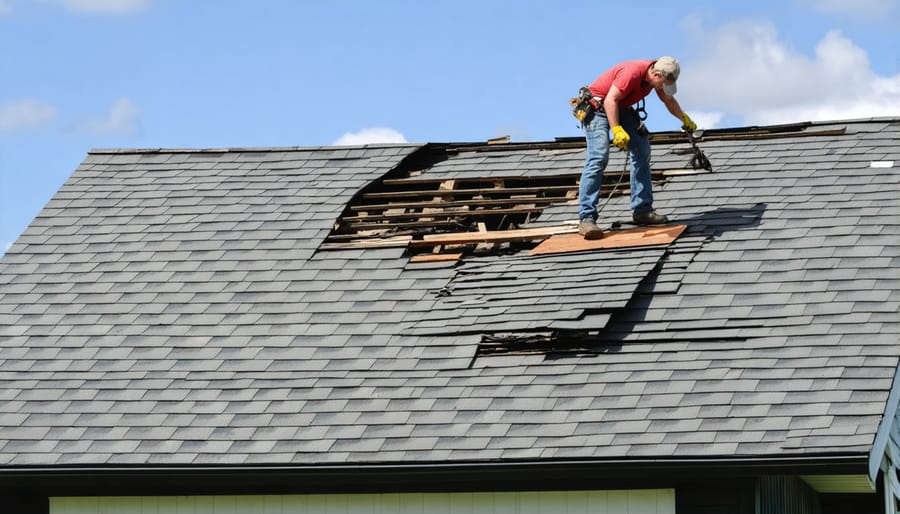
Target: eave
<point x="421" y="477"/>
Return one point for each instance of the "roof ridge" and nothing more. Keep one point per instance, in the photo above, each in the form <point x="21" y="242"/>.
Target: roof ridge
<point x="101" y="151"/>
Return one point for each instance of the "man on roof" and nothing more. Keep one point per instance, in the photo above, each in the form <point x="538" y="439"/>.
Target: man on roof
<point x="613" y="96"/>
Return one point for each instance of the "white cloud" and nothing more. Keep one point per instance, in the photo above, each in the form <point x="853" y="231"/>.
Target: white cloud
<point x="707" y="119"/>
<point x="5" y="8"/>
<point x="745" y="69"/>
<point x="369" y="136"/>
<point x="25" y="114"/>
<point x="857" y="8"/>
<point x="106" y="6"/>
<point x="121" y="120"/>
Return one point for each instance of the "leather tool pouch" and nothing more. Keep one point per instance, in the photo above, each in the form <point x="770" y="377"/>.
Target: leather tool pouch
<point x="583" y="106"/>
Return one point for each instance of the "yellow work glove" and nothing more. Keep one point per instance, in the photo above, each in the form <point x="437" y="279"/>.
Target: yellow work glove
<point x="620" y="137"/>
<point x="689" y="124"/>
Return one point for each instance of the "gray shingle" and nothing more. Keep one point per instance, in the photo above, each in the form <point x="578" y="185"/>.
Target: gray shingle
<point x="173" y="307"/>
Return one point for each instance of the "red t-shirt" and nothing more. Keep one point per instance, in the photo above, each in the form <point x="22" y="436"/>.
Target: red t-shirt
<point x="629" y="77"/>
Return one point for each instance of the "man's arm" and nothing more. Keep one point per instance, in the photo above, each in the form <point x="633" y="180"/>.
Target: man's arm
<point x="611" y="105"/>
<point x="671" y="103"/>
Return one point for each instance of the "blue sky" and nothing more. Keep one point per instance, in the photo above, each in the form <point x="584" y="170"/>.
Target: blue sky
<point x="83" y="74"/>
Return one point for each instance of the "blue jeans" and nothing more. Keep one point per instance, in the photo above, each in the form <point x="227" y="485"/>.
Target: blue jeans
<point x="597" y="156"/>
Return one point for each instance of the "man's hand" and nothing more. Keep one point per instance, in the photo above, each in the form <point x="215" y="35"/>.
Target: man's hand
<point x="689" y="124"/>
<point x="620" y="137"/>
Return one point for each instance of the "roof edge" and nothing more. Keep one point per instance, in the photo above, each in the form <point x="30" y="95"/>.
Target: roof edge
<point x="876" y="455"/>
<point x="472" y="144"/>
<point x="106" y="151"/>
<point x="404" y="477"/>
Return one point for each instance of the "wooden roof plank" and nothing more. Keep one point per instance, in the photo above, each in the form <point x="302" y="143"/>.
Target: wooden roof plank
<point x="522" y="209"/>
<point x="643" y="236"/>
<point x="422" y="180"/>
<point x="464" y="192"/>
<point x="470" y="203"/>
<point x="435" y="257"/>
<point x="382" y="242"/>
<point x="496" y="236"/>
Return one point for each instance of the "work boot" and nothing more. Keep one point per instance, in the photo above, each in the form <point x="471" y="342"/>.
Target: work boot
<point x="589" y="229"/>
<point x="649" y="218"/>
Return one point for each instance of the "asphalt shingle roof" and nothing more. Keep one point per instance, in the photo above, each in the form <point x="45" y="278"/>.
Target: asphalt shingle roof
<point x="172" y="307"/>
<point x="531" y="293"/>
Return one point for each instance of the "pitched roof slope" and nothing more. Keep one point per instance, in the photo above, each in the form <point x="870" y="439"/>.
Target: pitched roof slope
<point x="171" y="307"/>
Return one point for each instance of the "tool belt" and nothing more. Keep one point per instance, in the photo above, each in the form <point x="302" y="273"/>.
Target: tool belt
<point x="584" y="106"/>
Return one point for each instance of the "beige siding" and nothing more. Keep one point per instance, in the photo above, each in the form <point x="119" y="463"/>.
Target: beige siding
<point x="646" y="501"/>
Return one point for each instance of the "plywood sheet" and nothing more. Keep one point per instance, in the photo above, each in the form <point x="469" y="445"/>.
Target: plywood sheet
<point x="643" y="236"/>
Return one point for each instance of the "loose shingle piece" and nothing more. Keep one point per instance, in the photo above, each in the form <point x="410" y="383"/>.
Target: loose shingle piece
<point x="525" y="293"/>
<point x="177" y="307"/>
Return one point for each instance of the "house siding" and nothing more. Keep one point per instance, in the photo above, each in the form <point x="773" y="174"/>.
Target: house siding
<point x="649" y="501"/>
<point x="785" y="495"/>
